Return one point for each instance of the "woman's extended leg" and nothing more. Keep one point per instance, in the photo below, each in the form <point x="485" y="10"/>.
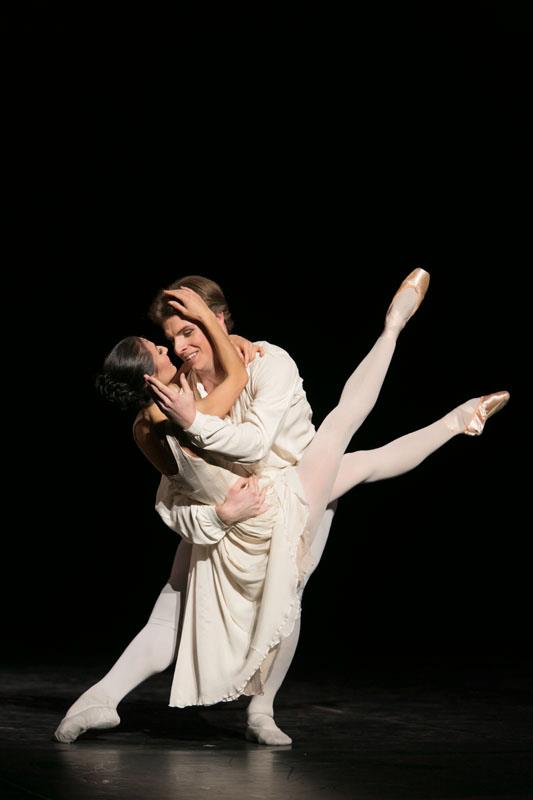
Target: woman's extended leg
<point x="321" y="460"/>
<point x="407" y="452"/>
<point x="150" y="652"/>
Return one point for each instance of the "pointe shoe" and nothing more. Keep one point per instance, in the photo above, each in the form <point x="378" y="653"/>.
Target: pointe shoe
<point x="418" y="280"/>
<point x="94" y="717"/>
<point x="488" y="405"/>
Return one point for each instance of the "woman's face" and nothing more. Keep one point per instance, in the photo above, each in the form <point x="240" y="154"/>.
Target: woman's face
<point x="164" y="368"/>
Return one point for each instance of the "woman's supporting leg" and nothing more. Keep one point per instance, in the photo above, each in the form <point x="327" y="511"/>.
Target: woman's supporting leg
<point x="150" y="652"/>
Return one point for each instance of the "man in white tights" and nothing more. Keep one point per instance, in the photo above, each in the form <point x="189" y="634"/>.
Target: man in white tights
<point x="271" y="423"/>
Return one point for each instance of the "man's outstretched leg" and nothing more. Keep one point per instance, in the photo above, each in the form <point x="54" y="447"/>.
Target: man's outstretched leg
<point x="150" y="652"/>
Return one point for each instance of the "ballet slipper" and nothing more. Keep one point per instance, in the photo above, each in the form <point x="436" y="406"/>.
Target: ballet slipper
<point x="262" y="729"/>
<point x="94" y="717"/>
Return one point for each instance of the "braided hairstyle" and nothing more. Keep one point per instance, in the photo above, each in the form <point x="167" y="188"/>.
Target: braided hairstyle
<point x="121" y="380"/>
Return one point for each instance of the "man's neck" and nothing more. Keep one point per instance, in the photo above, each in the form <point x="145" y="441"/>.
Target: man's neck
<point x="210" y="378"/>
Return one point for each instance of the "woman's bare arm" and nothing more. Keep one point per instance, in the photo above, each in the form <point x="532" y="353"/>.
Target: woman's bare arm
<point x="146" y="433"/>
<point x="221" y="399"/>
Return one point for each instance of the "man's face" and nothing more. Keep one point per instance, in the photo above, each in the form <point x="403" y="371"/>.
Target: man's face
<point x="190" y="343"/>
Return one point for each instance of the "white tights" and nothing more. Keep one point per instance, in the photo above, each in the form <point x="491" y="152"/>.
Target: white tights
<point x="152" y="650"/>
<point x="322" y="459"/>
<point x="363" y="466"/>
<point x="327" y="472"/>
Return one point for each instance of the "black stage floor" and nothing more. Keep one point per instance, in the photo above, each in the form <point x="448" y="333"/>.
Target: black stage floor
<point x="429" y="731"/>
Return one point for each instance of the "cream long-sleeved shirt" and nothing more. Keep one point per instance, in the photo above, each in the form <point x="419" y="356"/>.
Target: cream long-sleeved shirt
<point x="269" y="426"/>
<point x="271" y="420"/>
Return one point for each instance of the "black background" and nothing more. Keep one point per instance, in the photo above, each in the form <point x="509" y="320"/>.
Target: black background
<point x="307" y="164"/>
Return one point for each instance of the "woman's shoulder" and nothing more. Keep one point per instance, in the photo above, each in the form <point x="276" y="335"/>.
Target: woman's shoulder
<point x="147" y="421"/>
<point x="141" y="422"/>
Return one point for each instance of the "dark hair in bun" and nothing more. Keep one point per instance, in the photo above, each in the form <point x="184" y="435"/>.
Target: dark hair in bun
<point x="121" y="380"/>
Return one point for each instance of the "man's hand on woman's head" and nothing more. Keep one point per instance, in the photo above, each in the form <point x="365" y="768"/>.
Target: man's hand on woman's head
<point x="178" y="404"/>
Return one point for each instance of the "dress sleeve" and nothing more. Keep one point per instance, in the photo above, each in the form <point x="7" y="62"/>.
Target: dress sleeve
<point x="197" y="524"/>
